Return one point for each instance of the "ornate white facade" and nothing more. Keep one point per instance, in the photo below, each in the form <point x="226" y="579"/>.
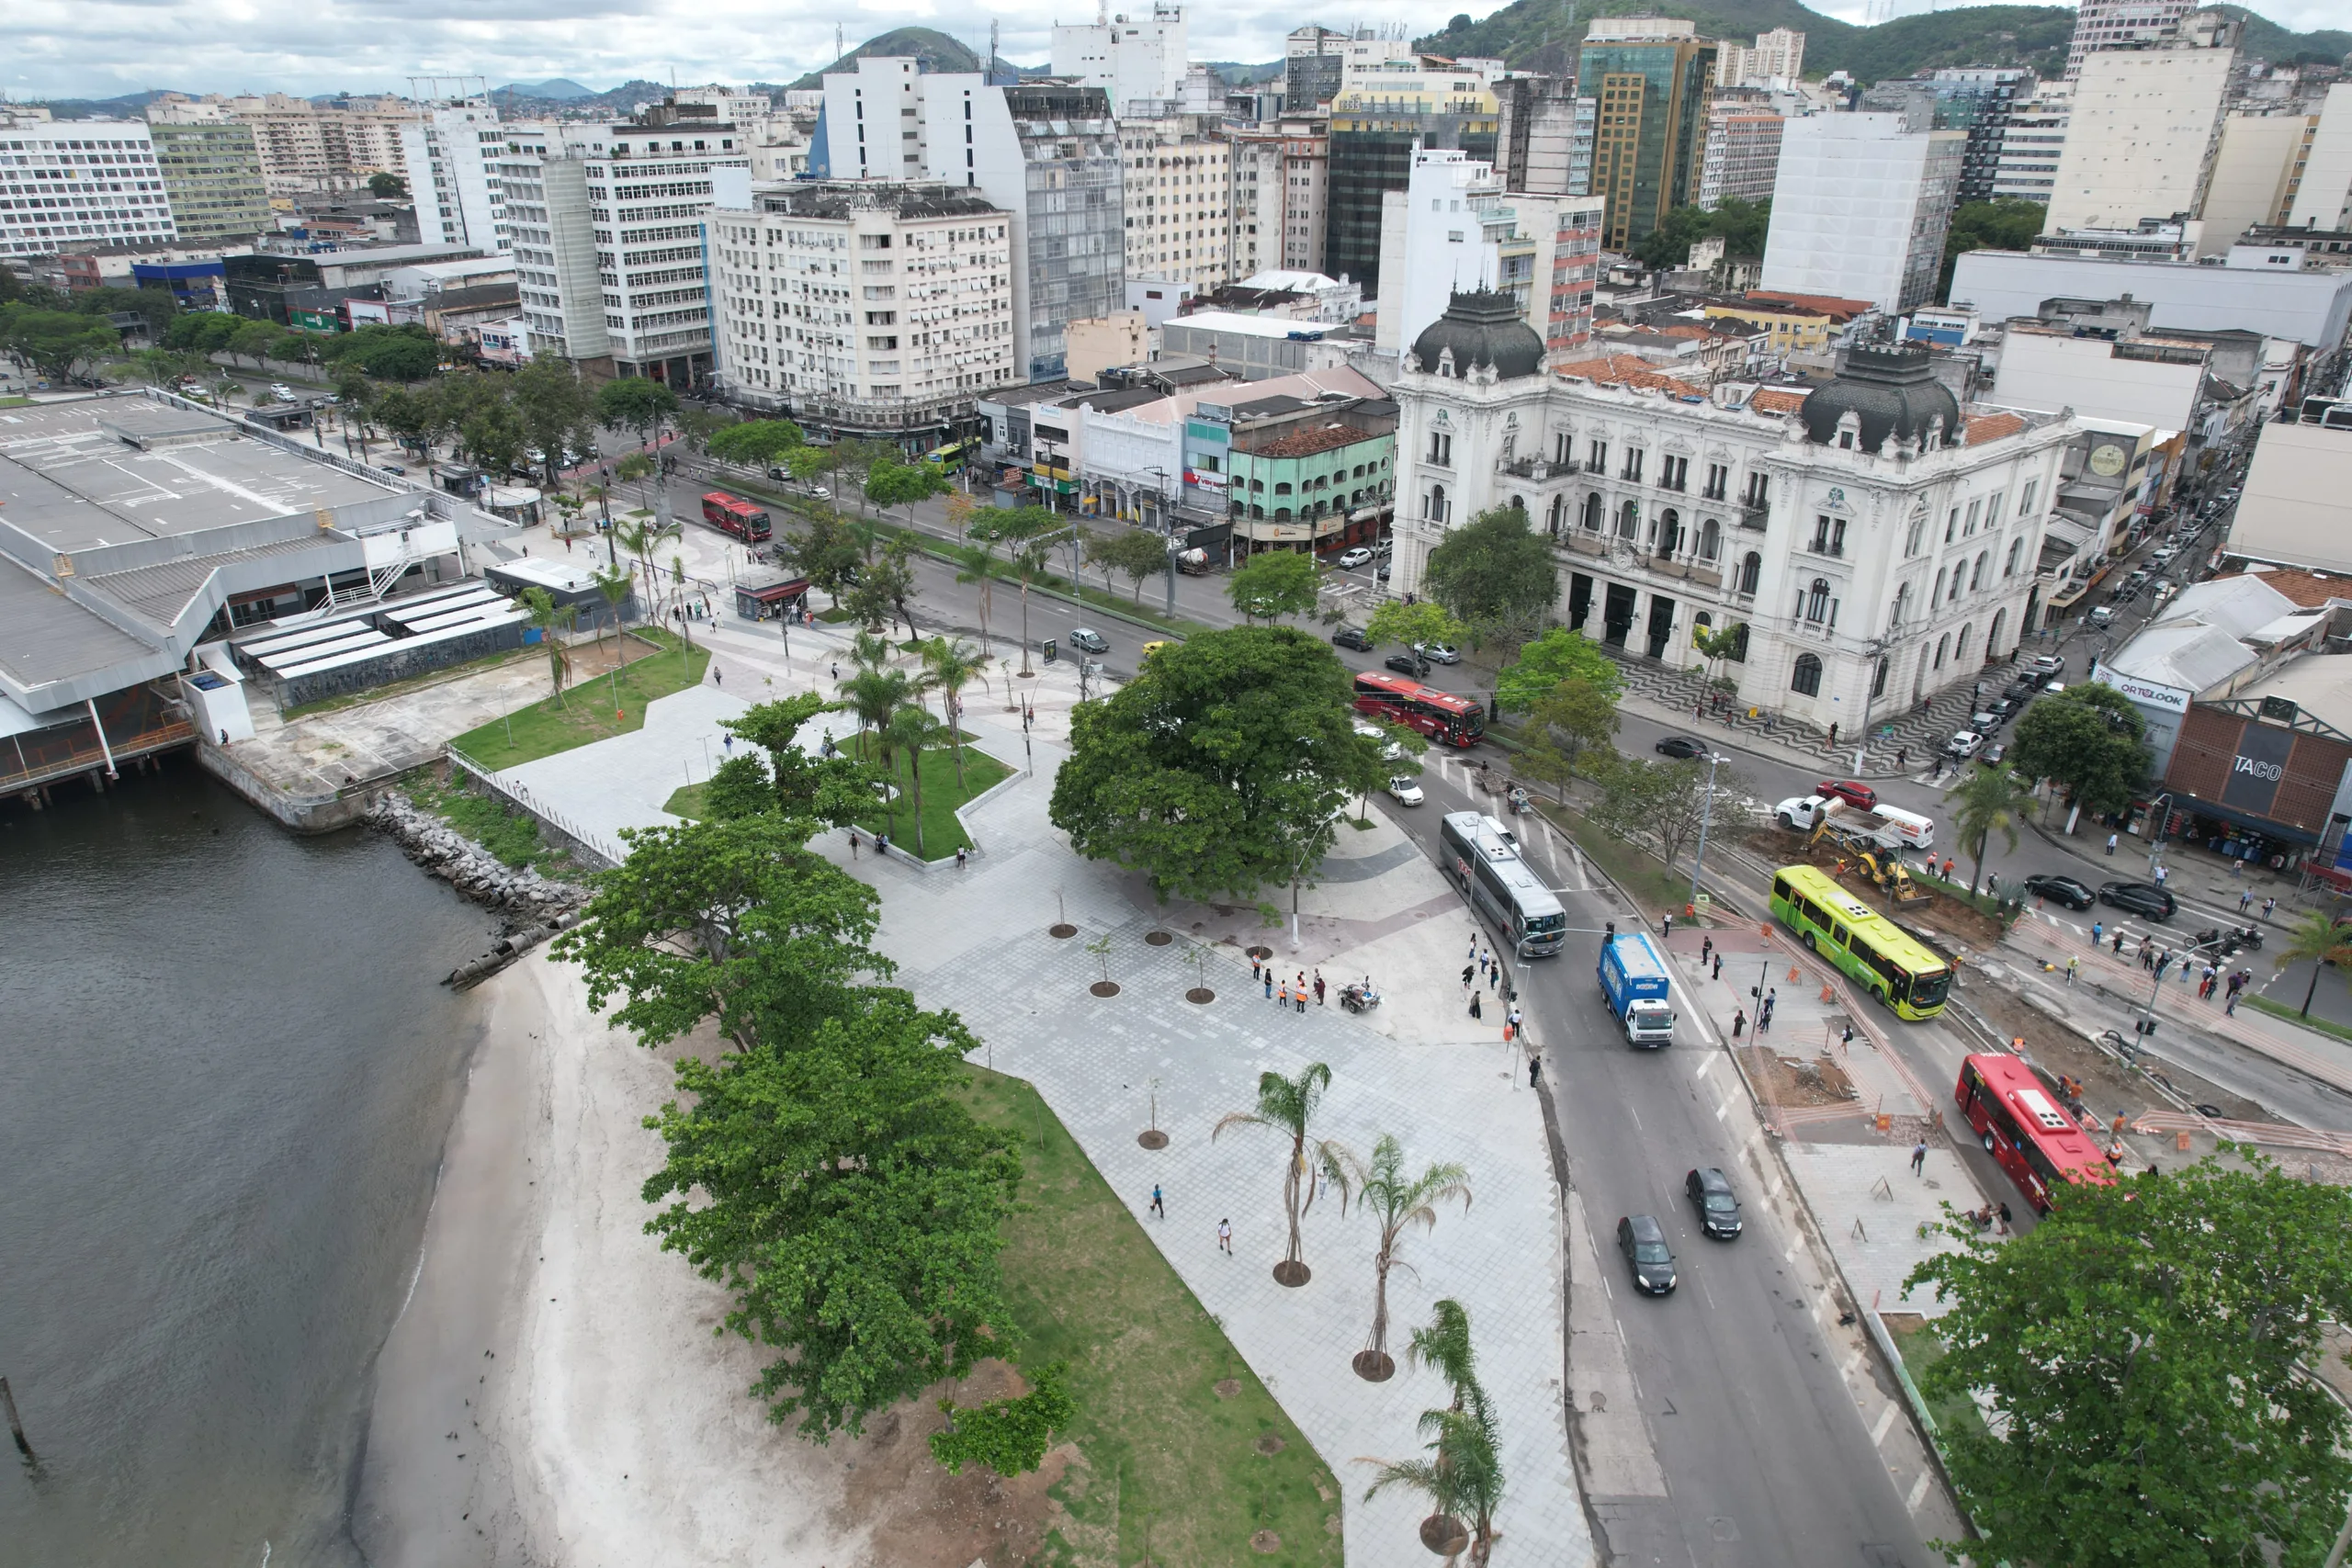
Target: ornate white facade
<point x="1868" y="578"/>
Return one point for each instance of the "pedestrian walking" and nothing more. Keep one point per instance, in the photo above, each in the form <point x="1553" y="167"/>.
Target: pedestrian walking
<point x="1901" y="753"/>
<point x="2098" y="927"/>
<point x="852" y="843"/>
<point x="2111" y="844"/>
<point x="1224" y="1236"/>
<point x="1948" y="863"/>
<point x="1666" y="930"/>
<point x="1474" y="947"/>
<point x="1156" y="1206"/>
<point x="959" y="857"/>
<point x="717" y="676"/>
<point x="1719" y="967"/>
<point x="2119" y="943"/>
<point x="727" y="744"/>
<point x="1476" y="1012"/>
<point x="1764" y="1020"/>
<point x="1847" y="1038"/>
<point x="1270" y="984"/>
<point x="2230" y="1007"/>
<point x="2145" y="939"/>
<point x="1738" y="1021"/>
<point x="2164" y="961"/>
<point x="1495" y="978"/>
<point x="1534" y="1072"/>
<point x="1468" y="971"/>
<point x="2245" y="900"/>
<point x="1318" y="988"/>
<point x="2163" y="871"/>
<point x="1919" y="1158"/>
<point x="2268" y="905"/>
<point x="2074" y="968"/>
<point x="837" y="670"/>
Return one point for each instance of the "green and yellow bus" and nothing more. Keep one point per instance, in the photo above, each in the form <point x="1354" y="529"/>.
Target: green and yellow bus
<point x="1899" y="969"/>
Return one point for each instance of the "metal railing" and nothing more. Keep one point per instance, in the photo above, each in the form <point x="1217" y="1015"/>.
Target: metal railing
<point x="524" y="798"/>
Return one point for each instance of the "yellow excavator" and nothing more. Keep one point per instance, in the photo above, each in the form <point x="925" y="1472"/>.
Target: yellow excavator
<point x="1890" y="877"/>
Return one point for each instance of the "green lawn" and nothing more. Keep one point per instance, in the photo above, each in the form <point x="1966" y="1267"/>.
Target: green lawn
<point x="942" y="834"/>
<point x="1164" y="1452"/>
<point x="1917" y="1340"/>
<point x="587" y="712"/>
<point x="2292" y="1013"/>
<point x="686" y="801"/>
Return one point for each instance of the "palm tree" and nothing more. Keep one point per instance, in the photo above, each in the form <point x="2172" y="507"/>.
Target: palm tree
<point x="874" y="695"/>
<point x="868" y="651"/>
<point x="952" y="664"/>
<point x="640" y="536"/>
<point x="976" y="562"/>
<point x="912" y="730"/>
<point x="1445" y="1345"/>
<point x="1439" y="1479"/>
<point x="1287" y="1105"/>
<point x="634" y="467"/>
<point x="614" y="583"/>
<point x="2316" y="938"/>
<point x="1990" y="802"/>
<point x="548" y="619"/>
<point x="1395" y="1201"/>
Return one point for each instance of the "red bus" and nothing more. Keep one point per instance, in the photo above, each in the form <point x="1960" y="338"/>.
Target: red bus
<point x="736" y="515"/>
<point x="2023" y="1126"/>
<point x="1440" y="715"/>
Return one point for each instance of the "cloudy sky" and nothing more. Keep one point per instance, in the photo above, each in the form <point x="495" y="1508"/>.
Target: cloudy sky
<point x="100" y="48"/>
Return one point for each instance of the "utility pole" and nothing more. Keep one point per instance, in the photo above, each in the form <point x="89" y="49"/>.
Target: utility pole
<point x="1706" y="814"/>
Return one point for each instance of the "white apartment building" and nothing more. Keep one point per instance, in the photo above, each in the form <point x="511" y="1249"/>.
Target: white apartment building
<point x="449" y="151"/>
<point x="1128" y="57"/>
<point x="1742" y="158"/>
<point x="866" y="307"/>
<point x="1861" y="207"/>
<point x="2323" y="194"/>
<point x="1776" y="58"/>
<point x="1280" y="200"/>
<point x="2256" y="170"/>
<point x="605" y="223"/>
<point x="309" y="147"/>
<point x="1046" y="152"/>
<point x="1878" y="543"/>
<point x="2119" y="24"/>
<point x="2031" y="146"/>
<point x="78" y="183"/>
<point x="1457" y="230"/>
<point x="1179" y="200"/>
<point x="2143" y="128"/>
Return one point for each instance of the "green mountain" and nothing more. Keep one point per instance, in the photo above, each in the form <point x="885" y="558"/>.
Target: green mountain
<point x="1542" y="35"/>
<point x="936" y="49"/>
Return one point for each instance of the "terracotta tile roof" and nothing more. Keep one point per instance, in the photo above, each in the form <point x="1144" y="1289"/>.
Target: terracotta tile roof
<point x="2308" y="589"/>
<point x="1628" y="370"/>
<point x="1306" y="443"/>
<point x="1777" y="400"/>
<point x="1984" y="427"/>
<point x="1829" y="305"/>
<point x="1685" y="331"/>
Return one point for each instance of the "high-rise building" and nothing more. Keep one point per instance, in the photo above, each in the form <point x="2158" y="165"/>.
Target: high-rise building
<point x="1649" y="77"/>
<point x="1776" y="58"/>
<point x="2031" y="144"/>
<point x="1458" y="229"/>
<point x="1281" y="190"/>
<point x="869" y="308"/>
<point x="2144" y="127"/>
<point x="2119" y="24"/>
<point x="1312" y="60"/>
<point x="2324" y="189"/>
<point x="2257" y="175"/>
<point x="309" y="147"/>
<point x="1544" y="138"/>
<point x="213" y="176"/>
<point x="1128" y="57"/>
<point x="606" y="221"/>
<point x="1741" y="154"/>
<point x="76" y="183"/>
<point x="1046" y="152"/>
<point x="1978" y="100"/>
<point x="1393" y="101"/>
<point x="1178" y="197"/>
<point x="1861" y="207"/>
<point x="449" y="150"/>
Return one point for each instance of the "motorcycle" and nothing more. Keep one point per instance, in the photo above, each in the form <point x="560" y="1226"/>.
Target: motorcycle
<point x="2244" y="936"/>
<point x="1359" y="997"/>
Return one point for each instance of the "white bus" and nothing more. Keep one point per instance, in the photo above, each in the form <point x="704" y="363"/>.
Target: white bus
<point x="1482" y="857"/>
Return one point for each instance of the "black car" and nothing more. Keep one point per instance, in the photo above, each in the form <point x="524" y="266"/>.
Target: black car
<point x="2140" y="899"/>
<point x="1406" y="664"/>
<point x="2021" y="688"/>
<point x="1643" y="1241"/>
<point x="1682" y="746"/>
<point x="1352" y="636"/>
<point x="2065" y="889"/>
<point x="1710" y="1193"/>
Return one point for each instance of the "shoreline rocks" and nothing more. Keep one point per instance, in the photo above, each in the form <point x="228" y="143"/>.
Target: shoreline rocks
<point x="526" y="898"/>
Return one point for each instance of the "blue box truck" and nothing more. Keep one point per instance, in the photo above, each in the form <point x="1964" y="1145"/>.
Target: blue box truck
<point x="1632" y="980"/>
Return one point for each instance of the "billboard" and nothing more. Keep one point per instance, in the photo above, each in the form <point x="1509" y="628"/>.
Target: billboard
<point x="2257" y="769"/>
<point x="2147" y="693"/>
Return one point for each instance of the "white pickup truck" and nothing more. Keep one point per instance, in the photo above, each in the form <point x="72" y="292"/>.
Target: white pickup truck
<point x="1890" y="826"/>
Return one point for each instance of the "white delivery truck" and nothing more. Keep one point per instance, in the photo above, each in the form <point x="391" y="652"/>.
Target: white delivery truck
<point x="1889" y="826"/>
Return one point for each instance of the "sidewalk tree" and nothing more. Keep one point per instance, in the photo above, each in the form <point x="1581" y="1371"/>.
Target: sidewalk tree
<point x="1394" y="1200"/>
<point x="408" y="416"/>
<point x="893" y="577"/>
<point x="976" y="560"/>
<point x="912" y="730"/>
<point x="699" y="425"/>
<point x="614" y="583"/>
<point x="1662" y="802"/>
<point x="551" y="620"/>
<point x="202" y="332"/>
<point x="1571" y="719"/>
<point x="635" y="468"/>
<point x="760" y="442"/>
<point x="2086" y="739"/>
<point x="1463" y="1474"/>
<point x="740" y="787"/>
<point x="889" y="484"/>
<point x="494" y="437"/>
<point x="950" y="664"/>
<point x="1422" y="621"/>
<point x="1558" y="655"/>
<point x="2316" y="938"/>
<point x="255" y="341"/>
<point x="635" y="403"/>
<point x="874" y="693"/>
<point x="1027" y="534"/>
<point x="1496" y="574"/>
<point x="858" y="459"/>
<point x="821" y="550"/>
<point x="736" y="920"/>
<point x="806" y="463"/>
<point x="807" y="785"/>
<point x="557" y="410"/>
<point x="1715" y="644"/>
<point x="1133" y="553"/>
<point x="849" y="1204"/>
<point x="1223" y="773"/>
<point x="1287" y="1106"/>
<point x="59" y="344"/>
<point x="2140" y="1359"/>
<point x="1443" y="1347"/>
<point x="643" y="537"/>
<point x="1274" y="584"/>
<point x="1990" y="801"/>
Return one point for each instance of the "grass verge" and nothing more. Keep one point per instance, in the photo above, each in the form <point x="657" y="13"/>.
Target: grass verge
<point x="512" y="836"/>
<point x="1921" y="1348"/>
<point x="2280" y="1009"/>
<point x="686" y="801"/>
<point x="942" y="833"/>
<point x="1165" y="1454"/>
<point x="1648" y="884"/>
<point x="586" y="711"/>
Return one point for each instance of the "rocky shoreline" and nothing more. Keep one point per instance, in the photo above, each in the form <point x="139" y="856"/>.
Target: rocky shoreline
<point x="535" y="906"/>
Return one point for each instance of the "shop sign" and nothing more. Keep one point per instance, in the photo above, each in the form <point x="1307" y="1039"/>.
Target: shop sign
<point x="1205" y="481"/>
<point x="2258" y="768"/>
<point x="2147" y="693"/>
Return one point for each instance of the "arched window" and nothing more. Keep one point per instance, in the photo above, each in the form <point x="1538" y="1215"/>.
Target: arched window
<point x="2017" y="546"/>
<point x="1629" y="521"/>
<point x="1702" y="620"/>
<point x="1938" y="596"/>
<point x="1878" y="679"/>
<point x="1710" y="539"/>
<point x="1258" y="513"/>
<point x="1943" y="645"/>
<point x="1669" y="534"/>
<point x="1282" y="488"/>
<point x="1959" y="649"/>
<point x="1902" y="604"/>
<point x="1559" y="516"/>
<point x="1816" y="600"/>
<point x="1750" y="569"/>
<point x="1281" y="513"/>
<point x="1977" y="579"/>
<point x="1992" y="640"/>
<point x="1519" y="504"/>
<point x="1434" y="507"/>
<point x="1591" y="520"/>
<point x="1805" y="679"/>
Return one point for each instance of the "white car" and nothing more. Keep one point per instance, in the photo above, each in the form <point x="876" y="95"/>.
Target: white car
<point x="1963" y="744"/>
<point x="1349" y="559"/>
<point x="1438" y="652"/>
<point x="283" y="394"/>
<point x="1405" y="791"/>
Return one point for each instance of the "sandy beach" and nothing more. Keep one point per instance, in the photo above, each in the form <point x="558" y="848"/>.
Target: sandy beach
<point x="553" y="1392"/>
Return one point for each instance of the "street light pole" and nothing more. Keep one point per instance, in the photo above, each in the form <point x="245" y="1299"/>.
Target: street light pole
<point x="1706" y="814"/>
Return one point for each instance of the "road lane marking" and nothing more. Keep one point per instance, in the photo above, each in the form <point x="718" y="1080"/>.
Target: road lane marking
<point x="1703" y="1065"/>
<point x="1919" y="1490"/>
<point x="1723" y="1111"/>
<point x="1773" y="1191"/>
<point x="1791" y="1254"/>
<point x="1885" y="1425"/>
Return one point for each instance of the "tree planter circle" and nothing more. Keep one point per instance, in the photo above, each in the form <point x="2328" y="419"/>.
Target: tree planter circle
<point x="1063" y="929"/>
<point x="1154" y="1139"/>
<point x="1445" y="1535"/>
<point x="1200" y="994"/>
<point x="1158" y="939"/>
<point x="1266" y="1542"/>
<point x="1374" y="1366"/>
<point x="1292" y="1274"/>
<point x="1259" y="952"/>
<point x="1104" y="987"/>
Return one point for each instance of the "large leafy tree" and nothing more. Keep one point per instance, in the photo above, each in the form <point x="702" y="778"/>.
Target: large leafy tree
<point x="1134" y="553"/>
<point x="635" y="403"/>
<point x="1740" y="224"/>
<point x="1573" y="717"/>
<point x="834" y="1183"/>
<point x="825" y="551"/>
<point x="2140" y="1355"/>
<point x="1558" y="655"/>
<point x="1422" y="621"/>
<point x="736" y="920"/>
<point x="2088" y="740"/>
<point x="1274" y="584"/>
<point x="58" y="344"/>
<point x="2005" y="225"/>
<point x="890" y="483"/>
<point x="1222" y="768"/>
<point x="806" y="786"/>
<point x="1495" y="573"/>
<point x="558" y="414"/>
<point x="1662" y="802"/>
<point x="761" y="441"/>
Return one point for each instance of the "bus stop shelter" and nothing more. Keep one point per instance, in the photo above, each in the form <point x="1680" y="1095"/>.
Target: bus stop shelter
<point x="772" y="599"/>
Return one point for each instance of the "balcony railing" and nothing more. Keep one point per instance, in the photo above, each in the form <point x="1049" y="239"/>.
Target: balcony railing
<point x="1750" y="516"/>
<point x="1535" y="469"/>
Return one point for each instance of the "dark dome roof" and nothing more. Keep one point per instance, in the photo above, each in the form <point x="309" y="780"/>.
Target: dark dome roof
<point x="1894" y="391"/>
<point x="1481" y="327"/>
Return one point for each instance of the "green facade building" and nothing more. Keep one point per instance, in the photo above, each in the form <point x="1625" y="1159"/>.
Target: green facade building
<point x="1650" y="133"/>
<point x="1307" y="476"/>
<point x="212" y="177"/>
